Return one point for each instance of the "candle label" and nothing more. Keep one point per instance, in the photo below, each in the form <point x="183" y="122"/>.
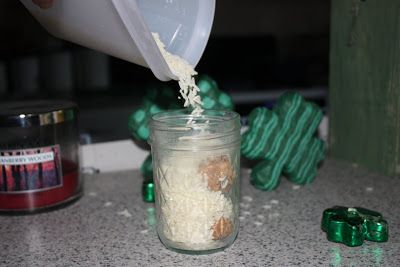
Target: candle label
<point x="27" y="170"/>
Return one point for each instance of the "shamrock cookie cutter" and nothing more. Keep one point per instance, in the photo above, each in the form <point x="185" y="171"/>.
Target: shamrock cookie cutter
<point x="351" y="226"/>
<point x="284" y="141"/>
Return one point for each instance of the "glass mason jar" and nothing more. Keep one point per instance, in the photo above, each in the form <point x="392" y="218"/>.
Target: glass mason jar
<point x="196" y="162"/>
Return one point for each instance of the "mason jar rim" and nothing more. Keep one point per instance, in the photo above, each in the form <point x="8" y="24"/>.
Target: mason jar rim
<point x="210" y="125"/>
<point x="178" y="119"/>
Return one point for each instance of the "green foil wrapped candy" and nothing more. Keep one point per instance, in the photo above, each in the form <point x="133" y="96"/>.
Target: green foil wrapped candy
<point x="148" y="193"/>
<point x="284" y="142"/>
<point x="138" y="121"/>
<point x="351" y="226"/>
<point x="212" y="96"/>
<point x="155" y="101"/>
<point x="148" y="183"/>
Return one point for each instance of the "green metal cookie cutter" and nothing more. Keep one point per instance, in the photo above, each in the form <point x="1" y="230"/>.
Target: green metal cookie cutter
<point x="351" y="226"/>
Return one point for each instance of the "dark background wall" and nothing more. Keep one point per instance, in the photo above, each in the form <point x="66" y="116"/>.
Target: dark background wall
<point x="257" y="49"/>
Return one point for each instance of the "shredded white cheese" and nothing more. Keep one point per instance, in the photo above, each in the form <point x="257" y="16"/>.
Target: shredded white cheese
<point x="296" y="187"/>
<point x="108" y="204"/>
<point x="352" y="210"/>
<point x="185" y="73"/>
<point x="274" y="201"/>
<point x="92" y="194"/>
<point x="247" y="198"/>
<point x="258" y="223"/>
<point x="189" y="208"/>
<point x="125" y="213"/>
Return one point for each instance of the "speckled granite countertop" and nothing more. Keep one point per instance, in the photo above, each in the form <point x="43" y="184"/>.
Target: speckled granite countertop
<point x="112" y="226"/>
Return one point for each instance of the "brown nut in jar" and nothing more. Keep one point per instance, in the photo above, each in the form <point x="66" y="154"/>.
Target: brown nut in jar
<point x="222" y="228"/>
<point x="219" y="173"/>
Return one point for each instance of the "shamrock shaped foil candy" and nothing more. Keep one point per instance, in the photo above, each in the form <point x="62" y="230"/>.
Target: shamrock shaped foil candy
<point x="351" y="226"/>
<point x="284" y="140"/>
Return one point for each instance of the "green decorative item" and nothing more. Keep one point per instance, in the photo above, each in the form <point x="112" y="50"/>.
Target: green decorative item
<point x="284" y="141"/>
<point x="159" y="99"/>
<point x="211" y="96"/>
<point x="148" y="184"/>
<point x="147" y="167"/>
<point x="351" y="226"/>
<point x="148" y="194"/>
<point x="156" y="100"/>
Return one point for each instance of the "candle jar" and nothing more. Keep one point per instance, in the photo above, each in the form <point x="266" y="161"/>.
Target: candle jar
<point x="39" y="146"/>
<point x="196" y="163"/>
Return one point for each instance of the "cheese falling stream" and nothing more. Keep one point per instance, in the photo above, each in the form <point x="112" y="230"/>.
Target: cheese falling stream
<point x="185" y="73"/>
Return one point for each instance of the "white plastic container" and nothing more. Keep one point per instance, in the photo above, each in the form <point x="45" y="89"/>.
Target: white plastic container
<point x="122" y="28"/>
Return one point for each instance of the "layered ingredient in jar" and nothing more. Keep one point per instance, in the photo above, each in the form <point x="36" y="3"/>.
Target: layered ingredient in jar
<point x="195" y="199"/>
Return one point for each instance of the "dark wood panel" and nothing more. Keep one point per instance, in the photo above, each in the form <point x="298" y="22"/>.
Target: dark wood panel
<point x="365" y="83"/>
